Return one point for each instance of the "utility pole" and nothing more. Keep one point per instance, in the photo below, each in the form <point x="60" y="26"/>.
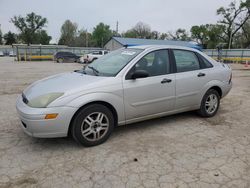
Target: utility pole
<point x="117" y="27"/>
<point x="0" y="35"/>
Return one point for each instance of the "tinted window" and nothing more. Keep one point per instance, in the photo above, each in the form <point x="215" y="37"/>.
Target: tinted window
<point x="155" y="63"/>
<point x="186" y="61"/>
<point x="105" y="52"/>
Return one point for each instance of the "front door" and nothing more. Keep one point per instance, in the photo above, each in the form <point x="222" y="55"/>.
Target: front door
<point x="152" y="95"/>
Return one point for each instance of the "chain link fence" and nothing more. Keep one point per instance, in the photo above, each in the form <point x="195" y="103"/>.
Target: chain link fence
<point x="229" y="56"/>
<point x="46" y="52"/>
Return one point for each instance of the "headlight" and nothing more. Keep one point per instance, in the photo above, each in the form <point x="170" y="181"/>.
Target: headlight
<point x="44" y="100"/>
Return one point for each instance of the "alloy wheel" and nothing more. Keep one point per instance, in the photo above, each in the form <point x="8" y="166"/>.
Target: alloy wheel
<point x="211" y="104"/>
<point x="95" y="126"/>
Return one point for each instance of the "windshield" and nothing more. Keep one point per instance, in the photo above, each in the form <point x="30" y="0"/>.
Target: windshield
<point x="112" y="63"/>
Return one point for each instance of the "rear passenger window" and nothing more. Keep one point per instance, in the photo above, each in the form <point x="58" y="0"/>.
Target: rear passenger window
<point x="205" y="62"/>
<point x="186" y="61"/>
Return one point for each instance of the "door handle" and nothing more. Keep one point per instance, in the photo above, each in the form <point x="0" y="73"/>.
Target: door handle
<point x="201" y="74"/>
<point x="165" y="80"/>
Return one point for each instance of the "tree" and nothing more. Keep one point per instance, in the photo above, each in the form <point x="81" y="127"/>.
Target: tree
<point x="142" y="30"/>
<point x="200" y="34"/>
<point x="180" y="34"/>
<point x="155" y="35"/>
<point x="42" y="37"/>
<point x="209" y="35"/>
<point x="101" y="34"/>
<point x="164" y="36"/>
<point x="233" y="18"/>
<point x="84" y="39"/>
<point x="216" y="35"/>
<point x="130" y="34"/>
<point x="10" y="38"/>
<point x="68" y="33"/>
<point x="29" y="26"/>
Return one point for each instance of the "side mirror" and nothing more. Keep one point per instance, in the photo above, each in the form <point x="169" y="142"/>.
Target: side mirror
<point x="139" y="74"/>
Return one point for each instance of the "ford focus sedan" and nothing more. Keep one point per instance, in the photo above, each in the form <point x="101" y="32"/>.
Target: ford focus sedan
<point x="125" y="86"/>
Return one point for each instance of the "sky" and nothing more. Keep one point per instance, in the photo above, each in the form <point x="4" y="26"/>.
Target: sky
<point x="161" y="15"/>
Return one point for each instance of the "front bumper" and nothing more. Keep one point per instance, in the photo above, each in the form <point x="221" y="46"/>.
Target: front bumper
<point x="34" y="124"/>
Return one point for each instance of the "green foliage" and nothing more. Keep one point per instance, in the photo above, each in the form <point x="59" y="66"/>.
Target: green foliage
<point x="84" y="39"/>
<point x="208" y="35"/>
<point x="68" y="33"/>
<point x="242" y="38"/>
<point x="233" y="29"/>
<point x="200" y="34"/>
<point x="140" y="30"/>
<point x="42" y="37"/>
<point x="180" y="34"/>
<point x="129" y="34"/>
<point x="163" y="36"/>
<point x="234" y="18"/>
<point x="29" y="26"/>
<point x="10" y="38"/>
<point x="101" y="34"/>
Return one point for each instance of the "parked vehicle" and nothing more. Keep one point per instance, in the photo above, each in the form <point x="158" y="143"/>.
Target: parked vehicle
<point x="125" y="86"/>
<point x="61" y="57"/>
<point x="1" y="54"/>
<point x="12" y="54"/>
<point x="88" y="58"/>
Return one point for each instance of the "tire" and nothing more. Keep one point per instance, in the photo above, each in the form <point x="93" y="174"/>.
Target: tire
<point x="92" y="122"/>
<point x="210" y="103"/>
<point x="60" y="60"/>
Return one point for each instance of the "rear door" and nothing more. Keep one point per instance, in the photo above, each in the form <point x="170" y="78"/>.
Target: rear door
<point x="154" y="94"/>
<point x="191" y="77"/>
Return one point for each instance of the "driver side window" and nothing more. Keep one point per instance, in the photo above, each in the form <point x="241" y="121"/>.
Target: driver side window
<point x="156" y="63"/>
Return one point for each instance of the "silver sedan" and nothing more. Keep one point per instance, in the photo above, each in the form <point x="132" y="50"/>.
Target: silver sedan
<point x="125" y="86"/>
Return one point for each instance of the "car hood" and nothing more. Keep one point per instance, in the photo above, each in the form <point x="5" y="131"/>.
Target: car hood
<point x="66" y="83"/>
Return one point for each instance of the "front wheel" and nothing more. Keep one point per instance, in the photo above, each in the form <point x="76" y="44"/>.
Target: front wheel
<point x="60" y="60"/>
<point x="92" y="125"/>
<point x="210" y="103"/>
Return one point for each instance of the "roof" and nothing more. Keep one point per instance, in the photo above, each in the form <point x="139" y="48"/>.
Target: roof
<point x="144" y="47"/>
<point x="136" y="42"/>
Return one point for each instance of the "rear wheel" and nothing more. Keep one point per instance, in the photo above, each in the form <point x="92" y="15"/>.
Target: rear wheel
<point x="92" y="125"/>
<point x="210" y="103"/>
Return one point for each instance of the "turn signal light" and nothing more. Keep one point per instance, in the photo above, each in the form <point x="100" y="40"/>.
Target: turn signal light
<point x="51" y="116"/>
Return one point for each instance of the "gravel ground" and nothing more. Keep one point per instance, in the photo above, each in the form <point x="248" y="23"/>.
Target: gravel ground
<point x="183" y="150"/>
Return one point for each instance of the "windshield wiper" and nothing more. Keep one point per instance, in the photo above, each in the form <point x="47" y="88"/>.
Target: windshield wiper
<point x="94" y="70"/>
<point x="82" y="71"/>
